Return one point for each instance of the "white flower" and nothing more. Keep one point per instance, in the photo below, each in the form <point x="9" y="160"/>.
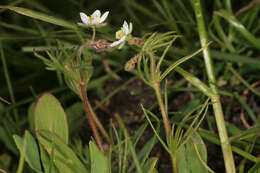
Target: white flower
<point x="93" y="19"/>
<point x="122" y="34"/>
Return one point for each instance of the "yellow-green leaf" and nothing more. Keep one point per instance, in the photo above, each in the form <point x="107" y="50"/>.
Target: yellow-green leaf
<point x="40" y="16"/>
<point x="50" y="117"/>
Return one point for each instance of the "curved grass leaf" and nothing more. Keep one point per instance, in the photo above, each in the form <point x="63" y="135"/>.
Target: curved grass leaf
<point x="239" y="26"/>
<point x="195" y="81"/>
<point x="41" y="16"/>
<point x="175" y="64"/>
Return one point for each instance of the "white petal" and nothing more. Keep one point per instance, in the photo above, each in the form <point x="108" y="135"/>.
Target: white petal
<point x="103" y="17"/>
<point x="125" y="25"/>
<point x="85" y="19"/>
<point x="125" y="28"/>
<point x="118" y="42"/>
<point x="96" y="17"/>
<point x="115" y="43"/>
<point x="130" y="27"/>
<point x="96" y="14"/>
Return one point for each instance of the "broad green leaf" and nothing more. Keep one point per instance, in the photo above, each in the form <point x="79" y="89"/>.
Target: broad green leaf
<point x="46" y="162"/>
<point x="182" y="162"/>
<point x="31" y="153"/>
<point x="99" y="162"/>
<point x="40" y="16"/>
<point x="50" y="117"/>
<point x="64" y="158"/>
<point x="74" y="114"/>
<point x="192" y="156"/>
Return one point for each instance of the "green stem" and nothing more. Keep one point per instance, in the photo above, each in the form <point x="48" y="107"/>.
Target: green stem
<point x="174" y="163"/>
<point x="100" y="126"/>
<point x="225" y="144"/>
<point x="163" y="111"/>
<point x="94" y="33"/>
<point x="8" y="80"/>
<point x="156" y="85"/>
<point x="155" y="81"/>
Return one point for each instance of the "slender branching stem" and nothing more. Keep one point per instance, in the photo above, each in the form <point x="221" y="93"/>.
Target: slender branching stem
<point x="156" y="86"/>
<point x="155" y="80"/>
<point x="92" y="113"/>
<point x="90" y="117"/>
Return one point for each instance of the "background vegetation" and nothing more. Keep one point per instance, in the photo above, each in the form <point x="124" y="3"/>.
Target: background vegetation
<point x="233" y="26"/>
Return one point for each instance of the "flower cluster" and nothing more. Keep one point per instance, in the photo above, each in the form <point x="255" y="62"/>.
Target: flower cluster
<point x="96" y="20"/>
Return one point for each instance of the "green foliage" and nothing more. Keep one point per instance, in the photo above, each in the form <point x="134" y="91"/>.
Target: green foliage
<point x="51" y="118"/>
<point x="99" y="162"/>
<point x="63" y="157"/>
<point x="192" y="156"/>
<point x="32" y="155"/>
<point x="40" y="16"/>
<point x="175" y="125"/>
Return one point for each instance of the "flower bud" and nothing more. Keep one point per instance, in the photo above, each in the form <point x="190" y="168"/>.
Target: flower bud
<point x="131" y="63"/>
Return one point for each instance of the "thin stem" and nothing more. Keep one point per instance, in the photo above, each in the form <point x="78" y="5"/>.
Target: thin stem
<point x="8" y="80"/>
<point x="219" y="116"/>
<point x="163" y="111"/>
<point x="153" y="73"/>
<point x="92" y="113"/>
<point x="156" y="85"/>
<point x="94" y="33"/>
<point x="90" y="116"/>
<point x="100" y="126"/>
<point x="166" y="123"/>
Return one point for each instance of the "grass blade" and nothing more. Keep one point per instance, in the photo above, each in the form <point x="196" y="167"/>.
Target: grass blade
<point x="40" y="16"/>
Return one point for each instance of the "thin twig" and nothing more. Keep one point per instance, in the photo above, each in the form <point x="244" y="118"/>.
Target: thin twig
<point x="247" y="7"/>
